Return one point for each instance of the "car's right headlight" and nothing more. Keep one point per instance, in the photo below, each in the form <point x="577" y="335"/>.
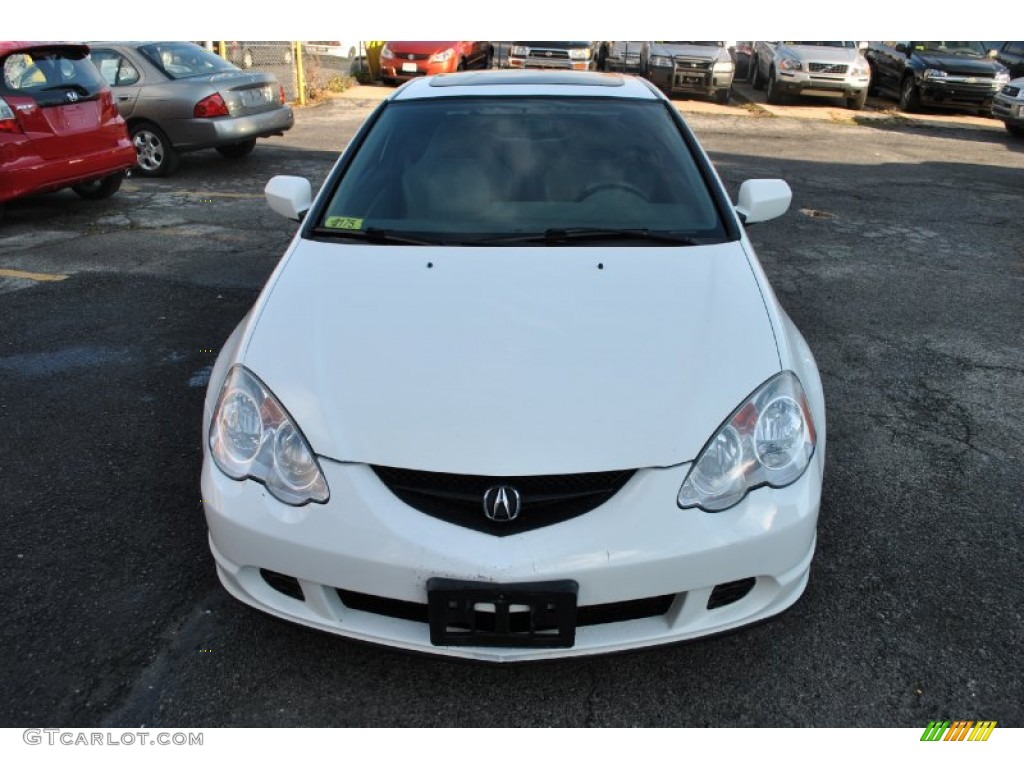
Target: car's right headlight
<point x="252" y="436"/>
<point x="385" y="52"/>
<point x="579" y="54"/>
<point x="789" y="64"/>
<point x="768" y="440"/>
<point x="661" y="61"/>
<point x="934" y="74"/>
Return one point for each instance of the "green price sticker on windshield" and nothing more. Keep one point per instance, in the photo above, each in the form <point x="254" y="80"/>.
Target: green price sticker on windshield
<point x="343" y="222"/>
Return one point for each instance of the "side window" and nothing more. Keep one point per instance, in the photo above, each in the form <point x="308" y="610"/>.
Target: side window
<point x="1015" y="49"/>
<point x="20" y="71"/>
<point x="114" y="67"/>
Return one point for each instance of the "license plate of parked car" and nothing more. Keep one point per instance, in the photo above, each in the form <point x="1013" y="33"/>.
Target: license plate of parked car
<point x="254" y="97"/>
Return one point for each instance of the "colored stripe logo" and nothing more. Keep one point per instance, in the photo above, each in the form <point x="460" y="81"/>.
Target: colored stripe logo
<point x="958" y="730"/>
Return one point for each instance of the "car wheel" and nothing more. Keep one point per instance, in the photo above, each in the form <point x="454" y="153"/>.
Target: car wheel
<point x="774" y="92"/>
<point x="1015" y="130"/>
<point x="722" y="97"/>
<point x="755" y="76"/>
<point x="154" y="154"/>
<point x="100" y="189"/>
<point x="858" y="101"/>
<point x="239" y="150"/>
<point x="910" y="99"/>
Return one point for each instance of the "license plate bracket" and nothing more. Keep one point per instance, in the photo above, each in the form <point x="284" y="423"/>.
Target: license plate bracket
<point x="483" y="614"/>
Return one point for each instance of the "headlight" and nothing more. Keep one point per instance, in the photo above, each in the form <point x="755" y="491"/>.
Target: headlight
<point x="1002" y="78"/>
<point x="723" y="66"/>
<point x="385" y="53"/>
<point x="768" y="440"/>
<point x="519" y="50"/>
<point x="790" y="65"/>
<point x="661" y="61"/>
<point x="861" y="69"/>
<point x="442" y="56"/>
<point x="252" y="436"/>
<point x="579" y="53"/>
<point x="934" y="74"/>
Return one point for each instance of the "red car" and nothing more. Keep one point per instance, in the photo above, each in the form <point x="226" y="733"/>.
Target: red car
<point x="400" y="61"/>
<point x="59" y="126"/>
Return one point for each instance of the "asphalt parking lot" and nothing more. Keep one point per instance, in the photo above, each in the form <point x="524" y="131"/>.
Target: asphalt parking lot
<point x="900" y="260"/>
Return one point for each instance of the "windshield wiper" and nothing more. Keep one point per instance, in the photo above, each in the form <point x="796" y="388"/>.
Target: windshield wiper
<point x="556" y="236"/>
<point x="374" y="235"/>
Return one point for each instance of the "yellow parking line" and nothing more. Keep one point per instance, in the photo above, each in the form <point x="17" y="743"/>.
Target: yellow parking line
<point x="41" y="277"/>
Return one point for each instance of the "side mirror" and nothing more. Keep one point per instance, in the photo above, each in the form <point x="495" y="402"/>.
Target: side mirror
<point x="289" y="196"/>
<point x="763" y="199"/>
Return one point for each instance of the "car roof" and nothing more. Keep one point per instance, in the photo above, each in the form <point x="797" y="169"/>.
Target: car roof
<point x="510" y="82"/>
<point x="12" y="46"/>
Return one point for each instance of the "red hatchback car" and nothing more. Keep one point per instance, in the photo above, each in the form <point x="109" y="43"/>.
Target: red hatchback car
<point x="59" y="126"/>
<point x="400" y="61"/>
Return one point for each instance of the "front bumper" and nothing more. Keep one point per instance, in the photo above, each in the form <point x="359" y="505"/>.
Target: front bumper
<point x="638" y="545"/>
<point x="829" y="86"/>
<point x="958" y="92"/>
<point x="690" y="80"/>
<point x="402" y="70"/>
<point x="1009" y="110"/>
<point x="205" y="133"/>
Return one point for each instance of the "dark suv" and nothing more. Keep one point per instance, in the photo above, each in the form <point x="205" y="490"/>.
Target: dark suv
<point x="938" y="73"/>
<point x="1011" y="56"/>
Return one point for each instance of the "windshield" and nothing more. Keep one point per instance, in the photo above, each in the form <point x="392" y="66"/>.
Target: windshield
<point x="49" y="69"/>
<point x="952" y="46"/>
<point x="825" y="43"/>
<point x="178" y="60"/>
<point x="465" y="170"/>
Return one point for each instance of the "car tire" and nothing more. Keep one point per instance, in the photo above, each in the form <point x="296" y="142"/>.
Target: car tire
<point x="99" y="189"/>
<point x="1015" y="130"/>
<point x="910" y="99"/>
<point x="722" y="97"/>
<point x="154" y="154"/>
<point x="775" y="95"/>
<point x="237" y="151"/>
<point x="857" y="102"/>
<point x="755" y="77"/>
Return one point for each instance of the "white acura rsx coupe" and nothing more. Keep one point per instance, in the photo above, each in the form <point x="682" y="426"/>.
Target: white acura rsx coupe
<point x="518" y="388"/>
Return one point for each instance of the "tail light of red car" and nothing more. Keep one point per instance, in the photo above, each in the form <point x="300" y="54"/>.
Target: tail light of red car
<point x="211" y="106"/>
<point x="282" y="97"/>
<point x="8" y="121"/>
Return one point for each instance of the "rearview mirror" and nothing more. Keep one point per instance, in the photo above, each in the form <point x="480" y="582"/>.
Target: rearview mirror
<point x="763" y="199"/>
<point x="289" y="196"/>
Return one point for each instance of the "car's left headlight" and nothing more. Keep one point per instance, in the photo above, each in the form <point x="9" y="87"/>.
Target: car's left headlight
<point x="1002" y="78"/>
<point x="579" y="53"/>
<point x="252" y="436"/>
<point x="661" y="61"/>
<point x="768" y="440"/>
<point x="861" y="69"/>
<point x="935" y="74"/>
<point x="442" y="56"/>
<point x="723" y="66"/>
<point x="790" y="65"/>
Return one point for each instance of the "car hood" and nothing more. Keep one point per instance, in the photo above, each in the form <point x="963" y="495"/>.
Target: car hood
<point x="421" y="46"/>
<point x="823" y="54"/>
<point x="962" y="65"/>
<point x="512" y="361"/>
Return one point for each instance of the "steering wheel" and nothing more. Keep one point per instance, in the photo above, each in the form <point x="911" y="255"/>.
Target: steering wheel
<point x="603" y="186"/>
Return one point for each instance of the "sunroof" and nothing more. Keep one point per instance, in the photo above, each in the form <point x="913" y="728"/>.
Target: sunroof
<point x="527" y="77"/>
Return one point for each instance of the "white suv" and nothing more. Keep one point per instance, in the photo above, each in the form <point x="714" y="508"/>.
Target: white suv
<point x="834" y="69"/>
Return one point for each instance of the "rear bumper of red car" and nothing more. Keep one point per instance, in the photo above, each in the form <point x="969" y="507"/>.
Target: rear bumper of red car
<point x="24" y="172"/>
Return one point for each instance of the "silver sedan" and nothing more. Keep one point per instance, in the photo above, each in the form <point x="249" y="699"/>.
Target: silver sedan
<point x="177" y="97"/>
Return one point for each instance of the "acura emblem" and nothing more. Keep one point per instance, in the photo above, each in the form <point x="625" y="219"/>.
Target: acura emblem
<point x="501" y="503"/>
<point x="71" y="96"/>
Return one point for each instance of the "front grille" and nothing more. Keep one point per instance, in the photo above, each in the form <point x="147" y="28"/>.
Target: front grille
<point x="411" y="56"/>
<point x="548" y="53"/>
<point x="586" y="615"/>
<point x="1011" y="90"/>
<point x="828" y="69"/>
<point x="697" y="65"/>
<point x="544" y="499"/>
